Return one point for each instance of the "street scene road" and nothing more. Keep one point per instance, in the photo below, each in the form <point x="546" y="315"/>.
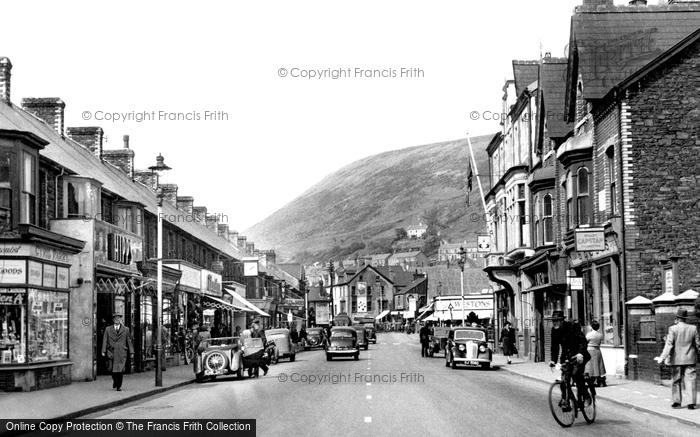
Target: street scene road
<point x="390" y="390"/>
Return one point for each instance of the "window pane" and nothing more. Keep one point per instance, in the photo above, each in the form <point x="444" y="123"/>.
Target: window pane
<point x="48" y="326"/>
<point x="582" y="181"/>
<point x="12" y="335"/>
<point x="607" y="315"/>
<point x="28" y="198"/>
<point x="582" y="217"/>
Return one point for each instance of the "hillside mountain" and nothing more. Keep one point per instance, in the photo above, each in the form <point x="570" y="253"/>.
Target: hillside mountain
<point x="357" y="208"/>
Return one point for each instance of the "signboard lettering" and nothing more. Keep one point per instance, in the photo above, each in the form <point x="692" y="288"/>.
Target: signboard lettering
<point x="469" y="304"/>
<point x="35" y="273"/>
<point x="13" y="271"/>
<point x="62" y="277"/>
<point x="49" y="276"/>
<point x="12" y="299"/>
<point x="588" y="240"/>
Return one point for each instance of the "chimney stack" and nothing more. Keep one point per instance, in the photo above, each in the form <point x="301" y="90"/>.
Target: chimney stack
<point x="233" y="237"/>
<point x="5" y="75"/>
<point x="89" y="137"/>
<point x="170" y="193"/>
<point x="49" y="109"/>
<point x="595" y="3"/>
<point x="222" y="230"/>
<point x="123" y="159"/>
<point x="200" y="213"/>
<point x="185" y="204"/>
<point x="250" y="247"/>
<point x="211" y="222"/>
<point x="638" y="2"/>
<point x="241" y="242"/>
<point x="147" y="178"/>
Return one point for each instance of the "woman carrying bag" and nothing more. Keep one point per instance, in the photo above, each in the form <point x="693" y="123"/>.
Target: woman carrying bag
<point x="508" y="341"/>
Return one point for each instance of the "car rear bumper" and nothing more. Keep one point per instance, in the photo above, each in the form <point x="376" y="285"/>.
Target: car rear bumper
<point x="344" y="352"/>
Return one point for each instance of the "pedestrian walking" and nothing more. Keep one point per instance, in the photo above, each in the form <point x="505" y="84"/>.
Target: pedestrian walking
<point x="595" y="369"/>
<point x="424" y="334"/>
<point x="117" y="347"/>
<point x="507" y="341"/>
<point x="681" y="350"/>
<point x="257" y="332"/>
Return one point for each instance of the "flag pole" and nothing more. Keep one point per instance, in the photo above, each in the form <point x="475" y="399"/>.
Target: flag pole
<point x="475" y="169"/>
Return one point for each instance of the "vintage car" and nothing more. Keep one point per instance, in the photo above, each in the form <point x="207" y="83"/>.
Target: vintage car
<point x="314" y="338"/>
<point x="222" y="356"/>
<point x="362" y="341"/>
<point x="283" y="344"/>
<point x="371" y="332"/>
<point x="438" y="341"/>
<point x="343" y="343"/>
<point x="468" y="345"/>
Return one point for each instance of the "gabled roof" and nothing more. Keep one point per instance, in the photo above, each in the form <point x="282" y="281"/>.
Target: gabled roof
<point x="296" y="270"/>
<point x="381" y="256"/>
<point x="418" y="227"/>
<point x="524" y="73"/>
<point x="410" y="287"/>
<point x="553" y="86"/>
<point x="609" y="44"/>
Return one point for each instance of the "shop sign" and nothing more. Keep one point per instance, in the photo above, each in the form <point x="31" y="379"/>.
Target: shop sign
<point x="13" y="271"/>
<point x="211" y="283"/>
<point x="62" y="277"/>
<point x="294" y="302"/>
<point x="191" y="277"/>
<point x="11" y="299"/>
<point x="323" y="315"/>
<point x="37" y="251"/>
<point x="117" y="248"/>
<point x="576" y="283"/>
<point x="668" y="276"/>
<point x="590" y="240"/>
<point x="35" y="273"/>
<point x="469" y="304"/>
<point x="49" y="276"/>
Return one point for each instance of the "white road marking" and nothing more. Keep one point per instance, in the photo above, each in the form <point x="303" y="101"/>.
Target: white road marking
<point x="369" y="396"/>
<point x="368" y="419"/>
<point x="652" y="396"/>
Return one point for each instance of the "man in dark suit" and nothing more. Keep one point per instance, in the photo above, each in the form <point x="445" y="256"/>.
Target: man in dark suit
<point x="258" y="332"/>
<point x="569" y="337"/>
<point x="682" y="349"/>
<point x="117" y="347"/>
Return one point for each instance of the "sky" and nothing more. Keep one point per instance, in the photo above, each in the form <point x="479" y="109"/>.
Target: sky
<point x="240" y="97"/>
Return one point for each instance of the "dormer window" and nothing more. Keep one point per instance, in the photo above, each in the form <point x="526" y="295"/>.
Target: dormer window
<point x="81" y="197"/>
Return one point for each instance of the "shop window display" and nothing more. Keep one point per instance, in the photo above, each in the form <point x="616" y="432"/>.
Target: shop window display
<point x="48" y="326"/>
<point x="12" y="347"/>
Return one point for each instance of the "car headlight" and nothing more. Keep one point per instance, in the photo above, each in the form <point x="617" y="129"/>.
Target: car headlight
<point x="482" y="348"/>
<point x="462" y="347"/>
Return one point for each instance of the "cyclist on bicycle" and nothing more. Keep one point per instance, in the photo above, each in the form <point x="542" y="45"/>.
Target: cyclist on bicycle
<point x="569" y="337"/>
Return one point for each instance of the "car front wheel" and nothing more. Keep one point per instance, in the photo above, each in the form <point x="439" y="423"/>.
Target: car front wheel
<point x="486" y="366"/>
<point x="357" y="357"/>
<point x="329" y="358"/>
<point x="292" y="358"/>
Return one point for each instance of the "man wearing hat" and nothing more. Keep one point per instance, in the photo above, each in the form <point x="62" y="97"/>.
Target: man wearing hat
<point x="569" y="337"/>
<point x="682" y="349"/>
<point x="117" y="347"/>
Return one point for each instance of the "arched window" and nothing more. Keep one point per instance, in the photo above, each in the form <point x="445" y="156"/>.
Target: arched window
<point x="547" y="232"/>
<point x="582" y="199"/>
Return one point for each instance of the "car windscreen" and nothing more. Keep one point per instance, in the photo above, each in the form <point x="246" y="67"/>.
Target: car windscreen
<point x="470" y="335"/>
<point x="280" y="335"/>
<point x="341" y="334"/>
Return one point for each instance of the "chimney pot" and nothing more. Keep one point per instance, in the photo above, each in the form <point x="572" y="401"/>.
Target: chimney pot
<point x="126" y="141"/>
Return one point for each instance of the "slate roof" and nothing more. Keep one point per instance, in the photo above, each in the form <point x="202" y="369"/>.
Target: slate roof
<point x="80" y="161"/>
<point x="614" y="42"/>
<point x="553" y="86"/>
<point x="525" y="73"/>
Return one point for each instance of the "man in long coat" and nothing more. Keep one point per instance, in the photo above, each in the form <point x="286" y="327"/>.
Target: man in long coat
<point x="117" y="347"/>
<point x="682" y="348"/>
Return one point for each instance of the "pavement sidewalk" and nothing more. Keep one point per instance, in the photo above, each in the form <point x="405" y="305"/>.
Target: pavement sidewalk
<point x="640" y="395"/>
<point x="81" y="398"/>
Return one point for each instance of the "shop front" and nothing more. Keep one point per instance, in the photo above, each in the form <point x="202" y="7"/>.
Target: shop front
<point x="187" y="305"/>
<point x="35" y="302"/>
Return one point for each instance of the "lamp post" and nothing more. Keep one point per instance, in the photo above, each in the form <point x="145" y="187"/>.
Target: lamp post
<point x="331" y="273"/>
<point x="461" y="261"/>
<point x="439" y="294"/>
<point x="159" y="170"/>
<point x="378" y="285"/>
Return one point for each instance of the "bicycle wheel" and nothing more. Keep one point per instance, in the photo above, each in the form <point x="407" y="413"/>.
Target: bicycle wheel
<point x="588" y="407"/>
<point x="563" y="418"/>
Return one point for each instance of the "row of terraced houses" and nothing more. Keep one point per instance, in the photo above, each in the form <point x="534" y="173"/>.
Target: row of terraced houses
<point x="78" y="243"/>
<point x="594" y="191"/>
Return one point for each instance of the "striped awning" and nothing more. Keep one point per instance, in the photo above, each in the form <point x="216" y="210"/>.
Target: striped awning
<point x="214" y="302"/>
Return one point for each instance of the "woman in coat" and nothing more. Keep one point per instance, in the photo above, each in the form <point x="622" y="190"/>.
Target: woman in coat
<point x="595" y="368"/>
<point x="508" y="341"/>
<point x="202" y="336"/>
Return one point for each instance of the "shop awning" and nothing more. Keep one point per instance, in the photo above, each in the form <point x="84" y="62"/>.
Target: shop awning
<point x="243" y="302"/>
<point x="457" y="315"/>
<point x="424" y="314"/>
<point x="382" y="315"/>
<point x="215" y="302"/>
